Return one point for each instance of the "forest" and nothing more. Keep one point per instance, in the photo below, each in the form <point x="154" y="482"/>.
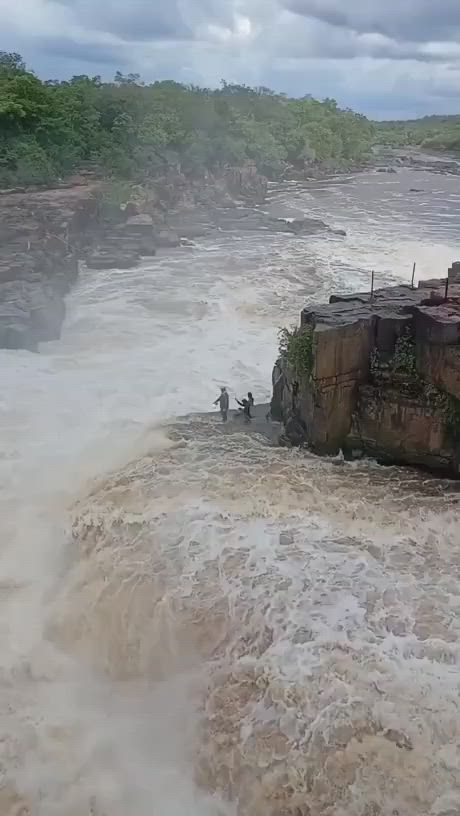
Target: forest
<point x="126" y="129"/>
<point x="431" y="132"/>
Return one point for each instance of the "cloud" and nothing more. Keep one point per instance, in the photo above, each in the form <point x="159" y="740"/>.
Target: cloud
<point x="378" y="56"/>
<point x="150" y="19"/>
<point x="412" y="20"/>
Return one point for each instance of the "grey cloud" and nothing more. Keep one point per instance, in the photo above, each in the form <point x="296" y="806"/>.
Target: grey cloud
<point x="411" y="20"/>
<point x="375" y="55"/>
<point x="69" y="49"/>
<point x="302" y="37"/>
<point x="144" y="20"/>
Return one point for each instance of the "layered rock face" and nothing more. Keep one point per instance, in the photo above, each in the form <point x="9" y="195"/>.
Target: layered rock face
<point x="381" y="376"/>
<point x="42" y="235"/>
<point x="45" y="233"/>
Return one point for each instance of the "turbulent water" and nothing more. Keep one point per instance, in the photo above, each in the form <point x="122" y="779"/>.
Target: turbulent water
<point x="195" y="623"/>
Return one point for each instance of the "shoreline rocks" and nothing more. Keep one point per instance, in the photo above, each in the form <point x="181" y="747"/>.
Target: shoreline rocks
<point x="42" y="236"/>
<point x="46" y="233"/>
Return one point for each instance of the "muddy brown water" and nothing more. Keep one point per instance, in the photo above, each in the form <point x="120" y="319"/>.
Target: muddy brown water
<point x="197" y="622"/>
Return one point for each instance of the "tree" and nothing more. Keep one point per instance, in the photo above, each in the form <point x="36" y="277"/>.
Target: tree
<point x="11" y="62"/>
<point x="130" y="130"/>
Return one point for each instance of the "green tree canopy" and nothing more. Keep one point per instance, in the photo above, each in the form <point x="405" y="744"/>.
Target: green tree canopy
<point x="129" y="130"/>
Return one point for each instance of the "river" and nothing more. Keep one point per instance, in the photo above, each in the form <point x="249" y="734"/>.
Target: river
<point x="197" y="624"/>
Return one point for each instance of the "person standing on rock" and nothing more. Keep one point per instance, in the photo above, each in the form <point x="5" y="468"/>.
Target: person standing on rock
<point x="246" y="406"/>
<point x="222" y="399"/>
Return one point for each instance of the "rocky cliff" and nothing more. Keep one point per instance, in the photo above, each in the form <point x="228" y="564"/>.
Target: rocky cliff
<point x="46" y="233"/>
<point x="42" y="235"/>
<point x="377" y="376"/>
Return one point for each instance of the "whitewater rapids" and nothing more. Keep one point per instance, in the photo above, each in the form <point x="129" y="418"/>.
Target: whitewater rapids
<point x="196" y="623"/>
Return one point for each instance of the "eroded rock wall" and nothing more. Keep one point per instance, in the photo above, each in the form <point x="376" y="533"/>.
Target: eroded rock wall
<point x="384" y="378"/>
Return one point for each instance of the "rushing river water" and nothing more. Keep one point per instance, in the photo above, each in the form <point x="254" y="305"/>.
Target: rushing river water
<point x="195" y="623"/>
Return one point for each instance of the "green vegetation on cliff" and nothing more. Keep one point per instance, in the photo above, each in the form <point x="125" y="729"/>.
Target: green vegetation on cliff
<point x="431" y="132"/>
<point x="130" y="130"/>
<point x="296" y="348"/>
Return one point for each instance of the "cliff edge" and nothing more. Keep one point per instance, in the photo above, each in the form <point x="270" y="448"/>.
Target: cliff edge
<point x="376" y="376"/>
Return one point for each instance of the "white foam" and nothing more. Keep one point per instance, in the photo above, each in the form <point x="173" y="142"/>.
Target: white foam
<point x="314" y="616"/>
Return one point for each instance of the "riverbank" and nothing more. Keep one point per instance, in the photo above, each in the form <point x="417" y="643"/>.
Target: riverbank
<point x="47" y="234"/>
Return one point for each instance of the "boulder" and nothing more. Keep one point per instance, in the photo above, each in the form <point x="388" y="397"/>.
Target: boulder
<point x="139" y="225"/>
<point x="167" y="238"/>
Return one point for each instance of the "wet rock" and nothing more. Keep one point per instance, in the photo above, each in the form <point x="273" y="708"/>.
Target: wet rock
<point x="305" y="226"/>
<point x="295" y="431"/>
<point x="139" y="225"/>
<point x="278" y="391"/>
<point x="245" y="182"/>
<point x="102" y="260"/>
<point x="167" y="238"/>
<point x="131" y="209"/>
<point x="42" y="234"/>
<point x="354" y="400"/>
<point x="302" y="635"/>
<point x="286" y="538"/>
<point x="399" y="738"/>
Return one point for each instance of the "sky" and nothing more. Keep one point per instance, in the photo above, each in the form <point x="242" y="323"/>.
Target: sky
<point x="386" y="58"/>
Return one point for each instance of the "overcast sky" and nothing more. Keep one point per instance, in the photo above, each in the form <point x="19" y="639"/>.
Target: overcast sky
<point x="387" y="58"/>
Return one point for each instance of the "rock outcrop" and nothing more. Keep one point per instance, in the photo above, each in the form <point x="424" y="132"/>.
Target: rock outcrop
<point x="377" y="376"/>
<point x="43" y="233"/>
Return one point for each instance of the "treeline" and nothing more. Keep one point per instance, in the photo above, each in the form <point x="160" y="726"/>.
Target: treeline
<point x="430" y="132"/>
<point x="130" y="130"/>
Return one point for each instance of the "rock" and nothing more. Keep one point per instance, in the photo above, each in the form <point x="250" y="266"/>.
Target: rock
<point x="245" y="182"/>
<point x="190" y="231"/>
<point x="42" y="233"/>
<point x="15" y="330"/>
<point x="295" y="431"/>
<point x="147" y="248"/>
<point x="360" y="396"/>
<point x="101" y="260"/>
<point x="131" y="209"/>
<point x="304" y="226"/>
<point x="279" y="389"/>
<point x="398" y="429"/>
<point x="167" y="238"/>
<point x="399" y="738"/>
<point x="286" y="538"/>
<point x="440" y="365"/>
<point x="438" y="324"/>
<point x="139" y="225"/>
